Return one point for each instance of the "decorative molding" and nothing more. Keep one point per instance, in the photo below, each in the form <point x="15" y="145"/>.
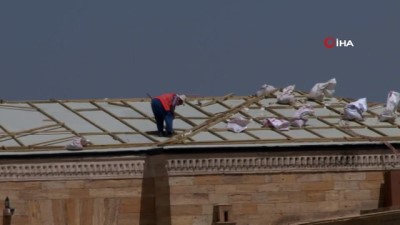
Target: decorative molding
<point x="115" y="169"/>
<point x="243" y="165"/>
<point x="134" y="168"/>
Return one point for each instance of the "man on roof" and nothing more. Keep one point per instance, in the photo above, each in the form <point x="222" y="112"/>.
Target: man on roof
<point x="163" y="107"/>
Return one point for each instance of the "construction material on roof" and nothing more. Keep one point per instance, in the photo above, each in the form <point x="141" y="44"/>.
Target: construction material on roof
<point x="355" y="110"/>
<point x="265" y="89"/>
<point x="128" y="123"/>
<point x="280" y="124"/>
<point x="321" y="90"/>
<point x="286" y="96"/>
<point x="78" y="143"/>
<point x="301" y="116"/>
<point x="238" y="124"/>
<point x="389" y="114"/>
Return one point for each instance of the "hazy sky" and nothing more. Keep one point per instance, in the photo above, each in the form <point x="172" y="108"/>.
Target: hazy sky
<point x="121" y="49"/>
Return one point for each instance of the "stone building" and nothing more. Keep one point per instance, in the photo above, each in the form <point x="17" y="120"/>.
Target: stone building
<point x="204" y="175"/>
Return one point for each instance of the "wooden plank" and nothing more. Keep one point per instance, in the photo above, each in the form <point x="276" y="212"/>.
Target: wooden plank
<point x="210" y="122"/>
<point x="74" y="208"/>
<point x="123" y="122"/>
<point x="215" y="100"/>
<point x="91" y="122"/>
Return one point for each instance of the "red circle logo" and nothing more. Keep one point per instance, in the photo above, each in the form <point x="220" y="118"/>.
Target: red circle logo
<point x="329" y="42"/>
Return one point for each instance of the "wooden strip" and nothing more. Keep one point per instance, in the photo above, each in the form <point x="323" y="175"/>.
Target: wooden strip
<point x="12" y="136"/>
<point x="35" y="130"/>
<point x="138" y="111"/>
<point x="211" y="121"/>
<point x="54" y="141"/>
<point x="124" y="122"/>
<point x="53" y="119"/>
<point x="246" y="115"/>
<point x="215" y="100"/>
<point x="17" y="107"/>
<point x="115" y="137"/>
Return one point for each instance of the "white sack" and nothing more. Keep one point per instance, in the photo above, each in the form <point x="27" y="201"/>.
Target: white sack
<point x="321" y="90"/>
<point x="389" y="114"/>
<point x="276" y="123"/>
<point x="286" y="97"/>
<point x="354" y="110"/>
<point x="238" y="124"/>
<point x="301" y="116"/>
<point x="265" y="89"/>
<point x="77" y="144"/>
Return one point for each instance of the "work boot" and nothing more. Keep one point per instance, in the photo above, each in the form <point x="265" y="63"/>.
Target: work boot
<point x="160" y="134"/>
<point x="168" y="134"/>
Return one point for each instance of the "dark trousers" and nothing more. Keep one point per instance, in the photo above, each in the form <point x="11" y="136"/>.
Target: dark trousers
<point x="161" y="115"/>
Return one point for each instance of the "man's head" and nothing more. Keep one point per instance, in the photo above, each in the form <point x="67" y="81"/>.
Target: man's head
<point x="181" y="99"/>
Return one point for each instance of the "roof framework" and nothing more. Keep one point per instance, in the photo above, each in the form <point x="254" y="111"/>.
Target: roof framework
<point x="119" y="123"/>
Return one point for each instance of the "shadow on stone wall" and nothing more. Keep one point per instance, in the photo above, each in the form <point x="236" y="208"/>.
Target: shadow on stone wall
<point x="155" y="199"/>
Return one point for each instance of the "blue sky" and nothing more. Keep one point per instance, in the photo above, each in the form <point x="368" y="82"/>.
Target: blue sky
<point x="82" y="49"/>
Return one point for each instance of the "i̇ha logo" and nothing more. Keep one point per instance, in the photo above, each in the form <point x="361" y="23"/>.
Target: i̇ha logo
<point x="331" y="42"/>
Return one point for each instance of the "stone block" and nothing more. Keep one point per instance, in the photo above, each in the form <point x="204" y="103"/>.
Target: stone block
<point x="101" y="192"/>
<point x="370" y="184"/>
<point x="75" y="184"/>
<point x="180" y="210"/>
<point x="313" y="196"/>
<point x="346" y="185"/>
<point x="218" y="198"/>
<point x="316" y="186"/>
<point x="309" y="177"/>
<point x="108" y="184"/>
<point x="130" y="205"/>
<point x="180" y="220"/>
<point x="283" y="178"/>
<point x="185" y="199"/>
<point x="357" y="195"/>
<point x="235" y="198"/>
<point x="374" y="175"/>
<point x="208" y="180"/>
<point x="254" y="179"/>
<point x="186" y="189"/>
<point x="266" y="208"/>
<point x="53" y="185"/>
<point x="176" y="181"/>
<point x="233" y="179"/>
<point x="269" y="187"/>
<point x="246" y="188"/>
<point x="244" y="209"/>
<point x="225" y="188"/>
<point x="355" y="176"/>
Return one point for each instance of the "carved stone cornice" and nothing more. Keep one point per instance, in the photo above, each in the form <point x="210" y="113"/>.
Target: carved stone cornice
<point x="127" y="168"/>
<point x="107" y="169"/>
<point x="254" y="165"/>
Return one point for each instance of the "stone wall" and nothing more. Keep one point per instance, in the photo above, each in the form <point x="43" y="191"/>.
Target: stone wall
<point x="274" y="198"/>
<point x="181" y="189"/>
<point x="75" y="202"/>
<point x="77" y="191"/>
